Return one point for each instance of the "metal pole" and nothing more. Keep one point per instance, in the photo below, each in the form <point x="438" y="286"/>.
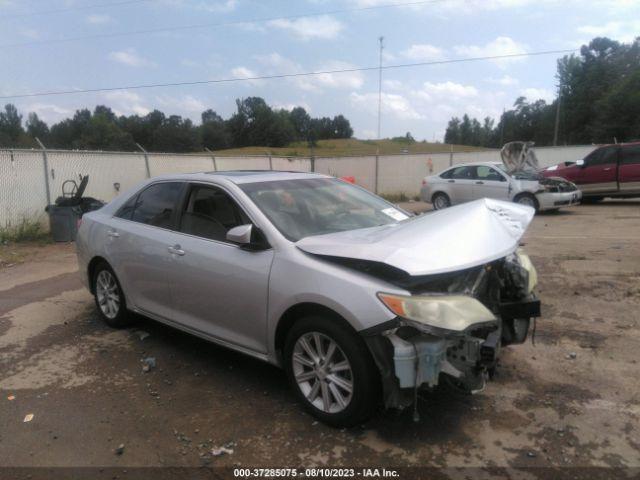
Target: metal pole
<point x="376" y="178"/>
<point x="381" y="40"/>
<point x="555" y="130"/>
<point x="451" y="156"/>
<point x="213" y="158"/>
<point x="270" y="163"/>
<point x="45" y="162"/>
<point x="146" y="159"/>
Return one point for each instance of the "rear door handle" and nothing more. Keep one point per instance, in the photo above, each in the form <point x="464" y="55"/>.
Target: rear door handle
<point x="113" y="234"/>
<point x="451" y="181"/>
<point x="606" y="169"/>
<point x="479" y="183"/>
<point x="176" y="250"/>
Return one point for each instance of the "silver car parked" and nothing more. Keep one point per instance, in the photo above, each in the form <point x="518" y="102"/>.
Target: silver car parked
<point x="471" y="181"/>
<point x="360" y="303"/>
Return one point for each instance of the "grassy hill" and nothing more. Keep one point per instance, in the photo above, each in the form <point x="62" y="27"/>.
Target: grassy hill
<point x="351" y="146"/>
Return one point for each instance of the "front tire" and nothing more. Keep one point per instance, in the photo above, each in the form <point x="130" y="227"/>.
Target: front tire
<point x="440" y="201"/>
<point x="109" y="297"/>
<point x="529" y="200"/>
<point x="331" y="371"/>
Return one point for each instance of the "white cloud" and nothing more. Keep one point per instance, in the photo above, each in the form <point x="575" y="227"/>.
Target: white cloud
<point x="505" y="80"/>
<point x="392" y="85"/>
<point x="424" y="53"/>
<point x="499" y="46"/>
<point x="218" y="7"/>
<point x="446" y="91"/>
<point x="277" y="64"/>
<point x="534" y="94"/>
<point x="392" y="103"/>
<point x="625" y="31"/>
<point x="324" y="27"/>
<point x="131" y="58"/>
<point x="98" y="19"/>
<point x="125" y="102"/>
<point x="48" y="112"/>
<point x="244" y="72"/>
<point x="290" y="106"/>
<point x="182" y="104"/>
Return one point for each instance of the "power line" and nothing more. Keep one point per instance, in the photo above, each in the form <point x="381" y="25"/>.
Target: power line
<point x="217" y="25"/>
<point x="73" y="9"/>
<point x="286" y="75"/>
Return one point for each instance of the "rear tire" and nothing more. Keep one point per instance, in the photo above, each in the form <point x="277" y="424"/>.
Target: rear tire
<point x="440" y="201"/>
<point x="109" y="297"/>
<point x="529" y="200"/>
<point x="331" y="371"/>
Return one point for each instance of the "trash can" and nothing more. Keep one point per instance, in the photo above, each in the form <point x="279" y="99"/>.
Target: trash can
<point x="63" y="222"/>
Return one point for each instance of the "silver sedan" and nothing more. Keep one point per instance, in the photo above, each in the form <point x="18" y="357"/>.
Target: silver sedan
<point x="472" y="181"/>
<point x="360" y="303"/>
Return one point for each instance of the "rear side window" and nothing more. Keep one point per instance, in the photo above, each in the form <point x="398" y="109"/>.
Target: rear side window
<point x="631" y="154"/>
<point x="463" y="173"/>
<point x="126" y="211"/>
<point x="156" y="205"/>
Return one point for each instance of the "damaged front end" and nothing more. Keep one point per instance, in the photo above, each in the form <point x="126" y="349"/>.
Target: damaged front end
<point x="452" y="327"/>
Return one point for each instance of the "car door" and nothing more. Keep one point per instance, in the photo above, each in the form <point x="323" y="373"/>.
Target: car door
<point x="461" y="184"/>
<point x="140" y="236"/>
<point x="629" y="170"/>
<point x="599" y="172"/>
<point x="489" y="183"/>
<point x="220" y="289"/>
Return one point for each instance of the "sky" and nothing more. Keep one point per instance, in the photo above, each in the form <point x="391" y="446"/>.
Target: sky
<point x="36" y="55"/>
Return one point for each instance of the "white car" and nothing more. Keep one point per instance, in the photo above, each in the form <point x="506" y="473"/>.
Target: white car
<point x="471" y="181"/>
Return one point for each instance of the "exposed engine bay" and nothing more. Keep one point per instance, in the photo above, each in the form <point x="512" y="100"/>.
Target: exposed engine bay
<point x="481" y="310"/>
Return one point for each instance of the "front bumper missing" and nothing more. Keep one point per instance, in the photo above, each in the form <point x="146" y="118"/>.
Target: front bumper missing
<point x="549" y="200"/>
<point x="407" y="363"/>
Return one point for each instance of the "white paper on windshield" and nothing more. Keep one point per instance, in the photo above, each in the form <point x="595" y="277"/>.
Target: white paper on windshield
<point x="395" y="214"/>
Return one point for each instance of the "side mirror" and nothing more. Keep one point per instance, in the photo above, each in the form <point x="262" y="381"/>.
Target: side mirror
<point x="580" y="163"/>
<point x="240" y="234"/>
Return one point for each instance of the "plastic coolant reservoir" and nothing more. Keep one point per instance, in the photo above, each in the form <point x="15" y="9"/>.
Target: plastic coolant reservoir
<point x="418" y="360"/>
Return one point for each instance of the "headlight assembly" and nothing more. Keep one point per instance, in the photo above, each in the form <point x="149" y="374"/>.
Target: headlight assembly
<point x="455" y="313"/>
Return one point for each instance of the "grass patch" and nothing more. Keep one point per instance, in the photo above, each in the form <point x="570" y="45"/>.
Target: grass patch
<point x="395" y="197"/>
<point x="27" y="230"/>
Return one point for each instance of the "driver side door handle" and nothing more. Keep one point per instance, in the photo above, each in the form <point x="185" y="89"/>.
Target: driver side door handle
<point x="176" y="250"/>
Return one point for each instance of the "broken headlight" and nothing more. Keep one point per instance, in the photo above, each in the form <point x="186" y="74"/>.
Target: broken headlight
<point x="522" y="272"/>
<point x="452" y="313"/>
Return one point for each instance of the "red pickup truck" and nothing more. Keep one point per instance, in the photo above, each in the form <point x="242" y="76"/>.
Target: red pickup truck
<point x="608" y="171"/>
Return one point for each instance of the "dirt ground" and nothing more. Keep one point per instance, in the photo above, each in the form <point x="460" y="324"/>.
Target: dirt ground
<point x="572" y="399"/>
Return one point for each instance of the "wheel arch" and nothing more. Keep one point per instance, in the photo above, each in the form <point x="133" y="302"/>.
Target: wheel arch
<point x="91" y="268"/>
<point x="297" y="312"/>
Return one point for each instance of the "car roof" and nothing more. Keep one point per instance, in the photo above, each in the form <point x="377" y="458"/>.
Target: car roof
<point x="475" y="164"/>
<point x="245" y="176"/>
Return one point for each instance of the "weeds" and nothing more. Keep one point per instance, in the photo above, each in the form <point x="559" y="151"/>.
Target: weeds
<point x="27" y="230"/>
<point x="395" y="197"/>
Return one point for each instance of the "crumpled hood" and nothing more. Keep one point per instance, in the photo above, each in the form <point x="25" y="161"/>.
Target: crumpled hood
<point x="448" y="240"/>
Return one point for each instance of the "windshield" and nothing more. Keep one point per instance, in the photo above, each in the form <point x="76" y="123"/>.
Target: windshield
<point x="520" y="175"/>
<point x="306" y="207"/>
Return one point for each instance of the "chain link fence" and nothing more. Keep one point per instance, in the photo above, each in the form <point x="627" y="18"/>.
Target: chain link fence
<point x="32" y="179"/>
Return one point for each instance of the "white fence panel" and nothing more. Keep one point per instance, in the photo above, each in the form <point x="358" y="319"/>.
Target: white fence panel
<point x="107" y="172"/>
<point x="162" y="164"/>
<point x="242" y="163"/>
<point x="363" y="169"/>
<point x="22" y="193"/>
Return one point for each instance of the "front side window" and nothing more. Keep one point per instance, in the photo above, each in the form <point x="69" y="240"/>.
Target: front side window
<point x="156" y="205"/>
<point x="602" y="156"/>
<point x="306" y="207"/>
<point x="484" y="172"/>
<point x="210" y="213"/>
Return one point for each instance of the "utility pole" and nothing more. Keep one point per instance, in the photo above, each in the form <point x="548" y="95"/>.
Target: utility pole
<point x="502" y="120"/>
<point x="555" y="130"/>
<point x="381" y="40"/>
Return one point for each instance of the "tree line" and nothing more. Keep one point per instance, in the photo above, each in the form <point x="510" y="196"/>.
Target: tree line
<point x="599" y="92"/>
<point x="253" y="124"/>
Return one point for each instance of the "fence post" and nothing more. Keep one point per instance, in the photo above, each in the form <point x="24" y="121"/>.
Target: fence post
<point x="375" y="189"/>
<point x="213" y="159"/>
<point x="45" y="162"/>
<point x="270" y="163"/>
<point x="146" y="159"/>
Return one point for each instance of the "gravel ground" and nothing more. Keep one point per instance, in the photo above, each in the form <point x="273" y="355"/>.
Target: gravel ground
<point x="572" y="399"/>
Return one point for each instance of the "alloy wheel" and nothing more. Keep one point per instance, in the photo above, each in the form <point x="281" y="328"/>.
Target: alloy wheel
<point x="107" y="294"/>
<point x="526" y="200"/>
<point x="323" y="372"/>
